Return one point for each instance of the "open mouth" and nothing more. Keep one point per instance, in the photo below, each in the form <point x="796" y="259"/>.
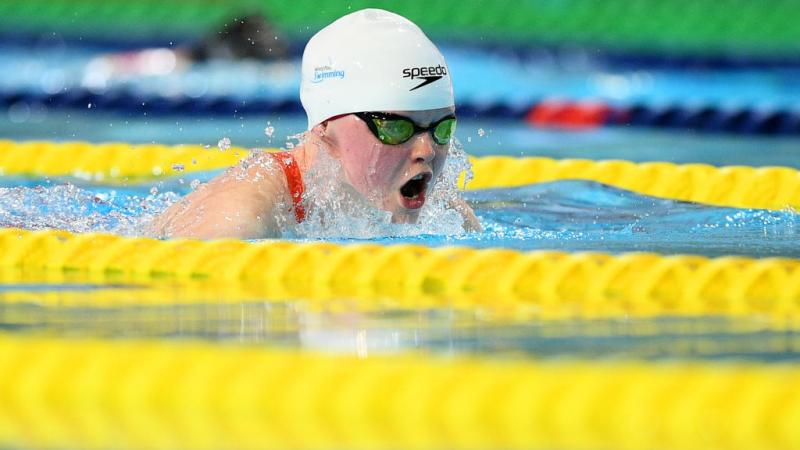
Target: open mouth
<point x="412" y="193"/>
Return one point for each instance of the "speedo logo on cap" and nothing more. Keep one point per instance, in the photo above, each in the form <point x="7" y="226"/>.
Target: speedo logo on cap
<point x="429" y="74"/>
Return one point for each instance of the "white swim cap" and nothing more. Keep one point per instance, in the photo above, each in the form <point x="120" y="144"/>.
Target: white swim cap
<point x="372" y="60"/>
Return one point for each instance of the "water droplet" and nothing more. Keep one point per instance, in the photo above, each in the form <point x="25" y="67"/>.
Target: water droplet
<point x="89" y="106"/>
<point x="194" y="184"/>
<point x="153" y="190"/>
<point x="224" y="144"/>
<point x="481" y="132"/>
<point x="269" y="130"/>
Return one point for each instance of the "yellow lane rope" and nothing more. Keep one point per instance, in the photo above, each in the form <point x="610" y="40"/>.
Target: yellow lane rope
<point x="737" y="186"/>
<point x="139" y="394"/>
<point x="551" y="284"/>
<point x="112" y="161"/>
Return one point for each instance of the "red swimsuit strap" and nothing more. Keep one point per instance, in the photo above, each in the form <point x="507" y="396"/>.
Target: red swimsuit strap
<point x="295" y="181"/>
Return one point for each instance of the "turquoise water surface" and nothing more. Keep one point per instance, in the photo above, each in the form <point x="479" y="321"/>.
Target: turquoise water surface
<point x="570" y="215"/>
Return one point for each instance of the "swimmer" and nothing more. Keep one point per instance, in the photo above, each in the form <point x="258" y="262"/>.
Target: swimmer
<point x="379" y="101"/>
<point x="250" y="37"/>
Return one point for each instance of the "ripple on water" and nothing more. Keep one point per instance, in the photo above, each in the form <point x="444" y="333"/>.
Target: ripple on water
<point x="568" y="215"/>
<point x="77" y="209"/>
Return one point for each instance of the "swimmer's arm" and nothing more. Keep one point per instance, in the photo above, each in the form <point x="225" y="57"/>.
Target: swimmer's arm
<point x="234" y="213"/>
<point x="229" y="206"/>
<point x="471" y="222"/>
<point x="219" y="213"/>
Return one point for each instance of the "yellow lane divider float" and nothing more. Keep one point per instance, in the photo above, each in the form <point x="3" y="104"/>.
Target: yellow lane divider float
<point x="137" y="394"/>
<point x="109" y="162"/>
<point x="547" y="284"/>
<point x="737" y="186"/>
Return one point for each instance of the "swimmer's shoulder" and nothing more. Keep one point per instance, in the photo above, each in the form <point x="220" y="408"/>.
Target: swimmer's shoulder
<point x="257" y="188"/>
<point x="262" y="172"/>
<point x="246" y="201"/>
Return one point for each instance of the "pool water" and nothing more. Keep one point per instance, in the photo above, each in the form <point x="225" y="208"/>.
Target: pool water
<point x="574" y="319"/>
<point x="570" y="215"/>
<point x="293" y="325"/>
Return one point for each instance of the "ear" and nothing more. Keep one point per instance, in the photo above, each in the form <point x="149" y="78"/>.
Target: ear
<point x="322" y="132"/>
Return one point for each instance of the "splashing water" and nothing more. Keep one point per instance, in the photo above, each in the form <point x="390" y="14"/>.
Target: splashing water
<point x="293" y="140"/>
<point x="69" y="207"/>
<point x="568" y="215"/>
<point x="337" y="210"/>
<point x="224" y="144"/>
<point x="269" y="131"/>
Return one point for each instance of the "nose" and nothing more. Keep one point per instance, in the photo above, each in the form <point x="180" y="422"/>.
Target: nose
<point x="422" y="148"/>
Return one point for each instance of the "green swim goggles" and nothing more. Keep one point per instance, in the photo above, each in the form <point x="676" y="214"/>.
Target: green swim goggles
<point x="394" y="129"/>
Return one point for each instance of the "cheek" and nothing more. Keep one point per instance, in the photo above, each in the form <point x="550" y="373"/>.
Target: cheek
<point x="387" y="165"/>
<point x="371" y="168"/>
<point x="356" y="154"/>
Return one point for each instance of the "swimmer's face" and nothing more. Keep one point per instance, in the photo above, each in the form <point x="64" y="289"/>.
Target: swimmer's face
<point x="396" y="178"/>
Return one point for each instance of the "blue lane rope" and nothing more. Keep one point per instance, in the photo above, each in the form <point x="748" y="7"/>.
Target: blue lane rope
<point x="708" y="118"/>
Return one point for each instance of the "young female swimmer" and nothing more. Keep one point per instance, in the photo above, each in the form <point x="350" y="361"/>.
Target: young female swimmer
<point x="379" y="100"/>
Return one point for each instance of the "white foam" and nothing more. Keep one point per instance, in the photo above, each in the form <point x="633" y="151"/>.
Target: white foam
<point x="71" y="208"/>
<point x="337" y="210"/>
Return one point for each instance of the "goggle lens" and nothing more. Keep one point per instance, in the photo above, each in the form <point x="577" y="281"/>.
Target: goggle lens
<point x="393" y="129"/>
<point x="393" y="132"/>
<point x="444" y="131"/>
